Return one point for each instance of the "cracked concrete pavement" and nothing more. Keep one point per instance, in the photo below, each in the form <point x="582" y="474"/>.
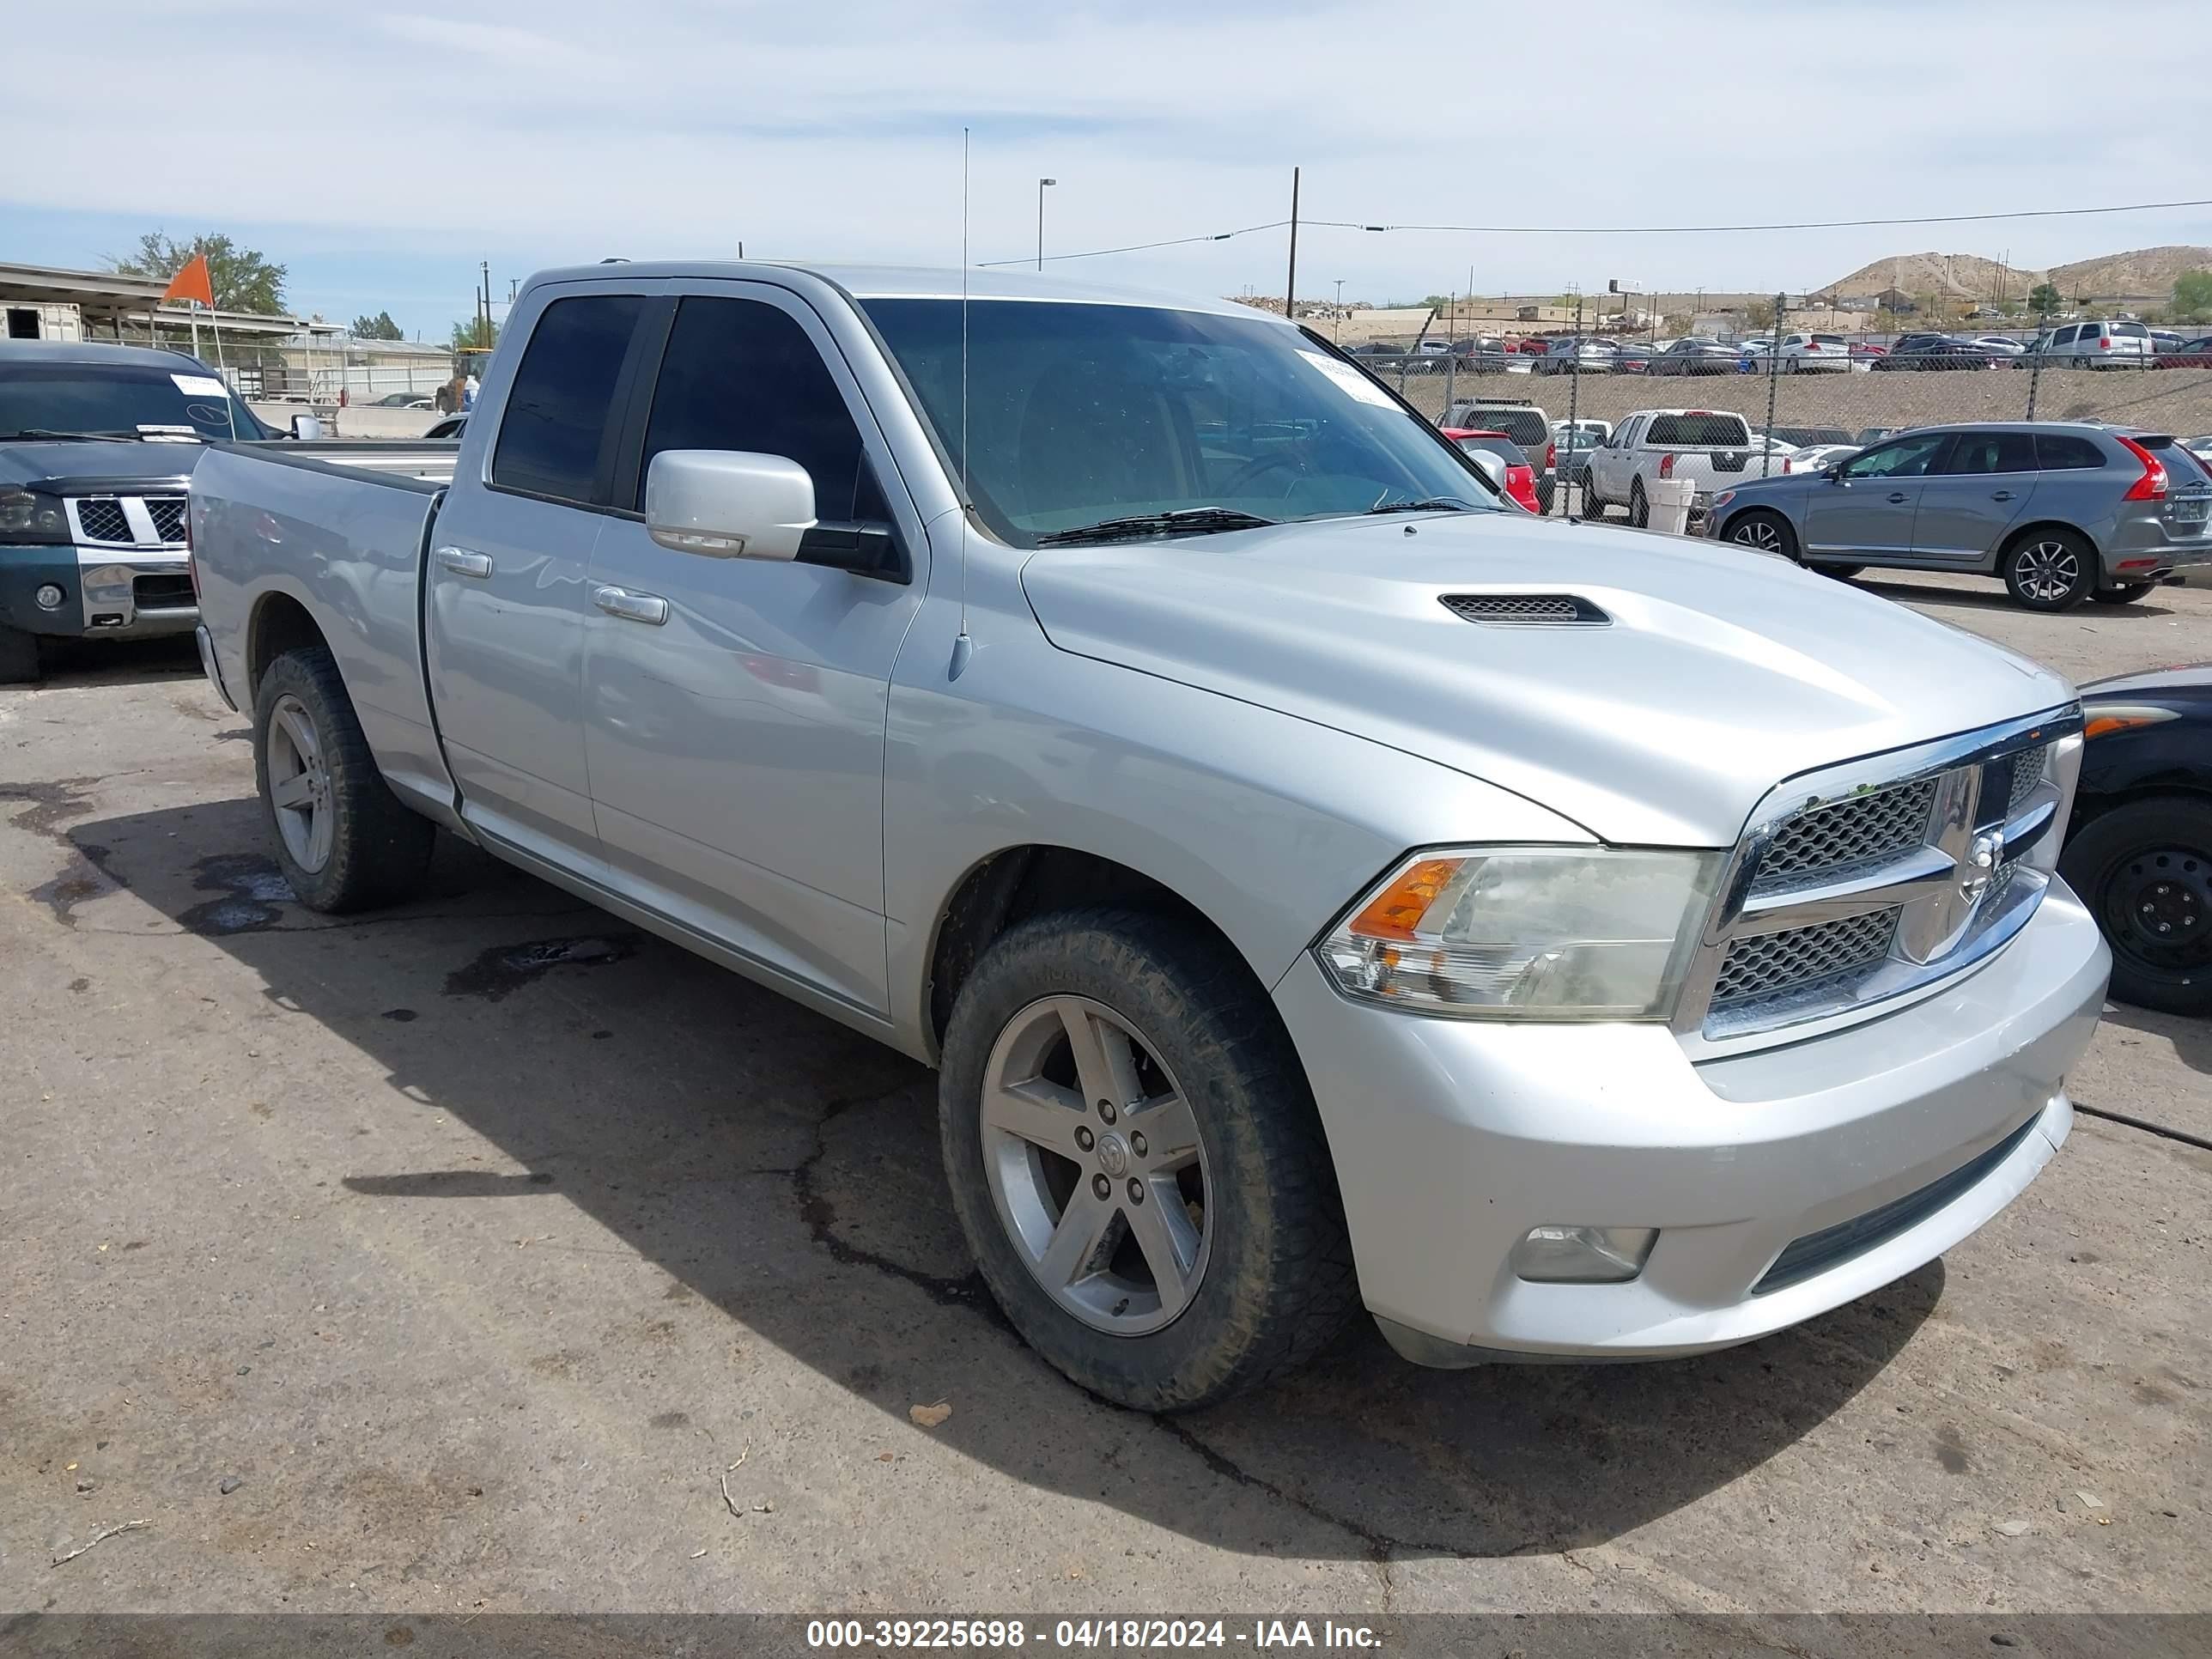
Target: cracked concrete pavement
<point x="476" y="1241"/>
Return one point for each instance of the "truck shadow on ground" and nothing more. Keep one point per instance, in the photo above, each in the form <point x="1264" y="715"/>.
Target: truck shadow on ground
<point x="118" y="662"/>
<point x="786" y="1172"/>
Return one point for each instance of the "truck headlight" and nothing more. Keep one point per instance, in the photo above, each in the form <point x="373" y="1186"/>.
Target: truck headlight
<point x="1526" y="932"/>
<point x="28" y="516"/>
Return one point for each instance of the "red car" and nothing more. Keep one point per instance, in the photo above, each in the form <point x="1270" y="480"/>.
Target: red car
<point x="1865" y="348"/>
<point x="1520" y="476"/>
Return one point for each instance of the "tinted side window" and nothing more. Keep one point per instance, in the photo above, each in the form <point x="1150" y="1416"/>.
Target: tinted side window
<point x="1903" y="458"/>
<point x="1992" y="451"/>
<point x="741" y="374"/>
<point x="2057" y="452"/>
<point x="562" y="403"/>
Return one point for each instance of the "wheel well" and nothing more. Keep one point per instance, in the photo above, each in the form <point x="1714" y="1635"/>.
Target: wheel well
<point x="1010" y="887"/>
<point x="2085" y="810"/>
<point x="2039" y="527"/>
<point x="280" y="623"/>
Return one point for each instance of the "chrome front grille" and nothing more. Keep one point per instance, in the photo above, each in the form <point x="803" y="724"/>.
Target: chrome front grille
<point x="101" y="518"/>
<point x="1798" y="959"/>
<point x="1867" y="829"/>
<point x="1860" y="882"/>
<point x="129" y="520"/>
<point x="167" y="513"/>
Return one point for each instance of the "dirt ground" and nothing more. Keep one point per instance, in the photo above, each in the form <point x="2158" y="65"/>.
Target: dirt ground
<point x="463" y="1258"/>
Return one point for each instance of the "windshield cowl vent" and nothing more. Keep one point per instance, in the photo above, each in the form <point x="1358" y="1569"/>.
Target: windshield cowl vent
<point x="1525" y="609"/>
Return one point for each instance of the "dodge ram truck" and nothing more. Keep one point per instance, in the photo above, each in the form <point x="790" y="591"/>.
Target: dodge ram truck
<point x="1317" y="883"/>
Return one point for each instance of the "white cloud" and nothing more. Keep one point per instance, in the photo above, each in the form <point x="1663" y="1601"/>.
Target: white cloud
<point x="661" y="127"/>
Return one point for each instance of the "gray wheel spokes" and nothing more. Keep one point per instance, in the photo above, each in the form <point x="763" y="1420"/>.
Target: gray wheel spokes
<point x="1095" y="1164"/>
<point x="299" y="785"/>
<point x="1039" y="1112"/>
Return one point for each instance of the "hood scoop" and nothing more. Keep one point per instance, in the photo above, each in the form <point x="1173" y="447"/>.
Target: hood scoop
<point x="1524" y="610"/>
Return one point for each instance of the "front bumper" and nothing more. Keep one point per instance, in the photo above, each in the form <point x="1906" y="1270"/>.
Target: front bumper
<point x="1452" y="1138"/>
<point x="131" y="593"/>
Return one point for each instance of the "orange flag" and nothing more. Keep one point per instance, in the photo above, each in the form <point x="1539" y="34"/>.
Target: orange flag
<point x="191" y="283"/>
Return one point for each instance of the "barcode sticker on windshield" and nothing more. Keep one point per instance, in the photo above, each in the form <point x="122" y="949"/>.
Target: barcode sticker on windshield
<point x="1351" y="379"/>
<point x="200" y="386"/>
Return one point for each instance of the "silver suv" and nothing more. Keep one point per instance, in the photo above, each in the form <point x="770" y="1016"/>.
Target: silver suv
<point x="2062" y="512"/>
<point x="2106" y="344"/>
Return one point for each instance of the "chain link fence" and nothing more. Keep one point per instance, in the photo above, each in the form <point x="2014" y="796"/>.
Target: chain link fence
<point x="1808" y="394"/>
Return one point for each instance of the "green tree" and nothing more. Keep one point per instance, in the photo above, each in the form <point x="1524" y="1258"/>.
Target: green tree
<point x="379" y="327"/>
<point x="1760" y="313"/>
<point x="2045" y="298"/>
<point x="241" y="278"/>
<point x="2193" y="295"/>
<point x="475" y="333"/>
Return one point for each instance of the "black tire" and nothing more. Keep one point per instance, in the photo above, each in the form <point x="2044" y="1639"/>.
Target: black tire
<point x="2157" y="852"/>
<point x="2039" y="562"/>
<point x="2122" y="592"/>
<point x="19" y="656"/>
<point x="1842" y="573"/>
<point x="1639" y="508"/>
<point x="1765" y="531"/>
<point x="378" y="848"/>
<point x="1276" y="1283"/>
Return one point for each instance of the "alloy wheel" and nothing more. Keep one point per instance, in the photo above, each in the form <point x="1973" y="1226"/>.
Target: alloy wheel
<point x="300" y="785"/>
<point x="1758" y="533"/>
<point x="1096" y="1169"/>
<point x="2048" y="571"/>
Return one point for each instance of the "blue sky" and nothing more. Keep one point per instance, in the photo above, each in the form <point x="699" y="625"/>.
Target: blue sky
<point x="391" y="151"/>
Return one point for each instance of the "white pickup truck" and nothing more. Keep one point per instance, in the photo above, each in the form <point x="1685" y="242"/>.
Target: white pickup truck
<point x="1712" y="449"/>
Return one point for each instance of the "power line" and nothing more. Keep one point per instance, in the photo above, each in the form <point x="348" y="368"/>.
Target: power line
<point x="1139" y="247"/>
<point x="1618" y="230"/>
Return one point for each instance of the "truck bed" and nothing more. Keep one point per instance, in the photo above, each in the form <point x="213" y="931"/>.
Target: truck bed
<point x="347" y="544"/>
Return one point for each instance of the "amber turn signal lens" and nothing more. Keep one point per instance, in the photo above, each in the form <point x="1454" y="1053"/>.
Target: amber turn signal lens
<point x="1397" y="910"/>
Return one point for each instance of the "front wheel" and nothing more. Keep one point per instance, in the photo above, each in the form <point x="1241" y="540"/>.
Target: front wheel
<point x="1764" y="532"/>
<point x="344" y="841"/>
<point x="2122" y="592"/>
<point x="19" y="656"/>
<point x="2145" y="870"/>
<point x="1136" y="1160"/>
<point x="2050" y="570"/>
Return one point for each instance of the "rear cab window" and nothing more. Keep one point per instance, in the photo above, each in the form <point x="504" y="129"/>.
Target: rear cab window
<point x="1699" y="431"/>
<point x="556" y="432"/>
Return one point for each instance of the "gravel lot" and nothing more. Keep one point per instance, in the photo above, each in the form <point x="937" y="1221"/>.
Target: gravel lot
<point x="476" y="1243"/>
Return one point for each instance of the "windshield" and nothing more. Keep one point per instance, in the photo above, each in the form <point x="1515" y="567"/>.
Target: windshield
<point x="118" y="400"/>
<point x="1083" y="413"/>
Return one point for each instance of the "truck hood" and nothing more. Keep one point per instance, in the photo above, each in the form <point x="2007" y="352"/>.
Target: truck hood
<point x="1720" y="672"/>
<point x="73" y="468"/>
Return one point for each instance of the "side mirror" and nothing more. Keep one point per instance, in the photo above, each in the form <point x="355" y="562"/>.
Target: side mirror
<point x="1491" y="468"/>
<point x="728" y="504"/>
<point x="306" y="428"/>
<point x="1833" y="474"/>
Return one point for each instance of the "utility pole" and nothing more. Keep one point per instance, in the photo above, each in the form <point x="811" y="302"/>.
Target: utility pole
<point x="1290" y="281"/>
<point x="1041" y="183"/>
<point x="1337" y="332"/>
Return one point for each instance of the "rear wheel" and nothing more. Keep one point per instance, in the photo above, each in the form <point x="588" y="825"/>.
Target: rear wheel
<point x="19" y="656"/>
<point x="2050" y="570"/>
<point x="343" y="840"/>
<point x="1136" y="1160"/>
<point x="1764" y="532"/>
<point x="2145" y="870"/>
<point x="1639" y="509"/>
<point x="2121" y="593"/>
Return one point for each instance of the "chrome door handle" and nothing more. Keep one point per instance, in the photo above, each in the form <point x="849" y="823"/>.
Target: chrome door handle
<point x="462" y="562"/>
<point x="2001" y="496"/>
<point x="1897" y="495"/>
<point x="648" y="608"/>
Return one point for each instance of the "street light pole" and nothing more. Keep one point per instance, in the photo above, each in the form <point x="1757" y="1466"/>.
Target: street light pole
<point x="1042" y="183"/>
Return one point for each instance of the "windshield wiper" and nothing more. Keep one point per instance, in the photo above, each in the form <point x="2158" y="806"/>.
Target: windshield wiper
<point x="1433" y="504"/>
<point x="46" y="435"/>
<point x="1183" y="521"/>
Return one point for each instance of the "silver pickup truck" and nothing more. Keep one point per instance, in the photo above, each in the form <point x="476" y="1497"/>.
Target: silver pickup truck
<point x="1317" y="882"/>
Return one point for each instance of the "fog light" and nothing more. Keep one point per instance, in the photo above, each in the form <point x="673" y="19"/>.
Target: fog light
<point x="1582" y="1256"/>
<point x="49" y="598"/>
